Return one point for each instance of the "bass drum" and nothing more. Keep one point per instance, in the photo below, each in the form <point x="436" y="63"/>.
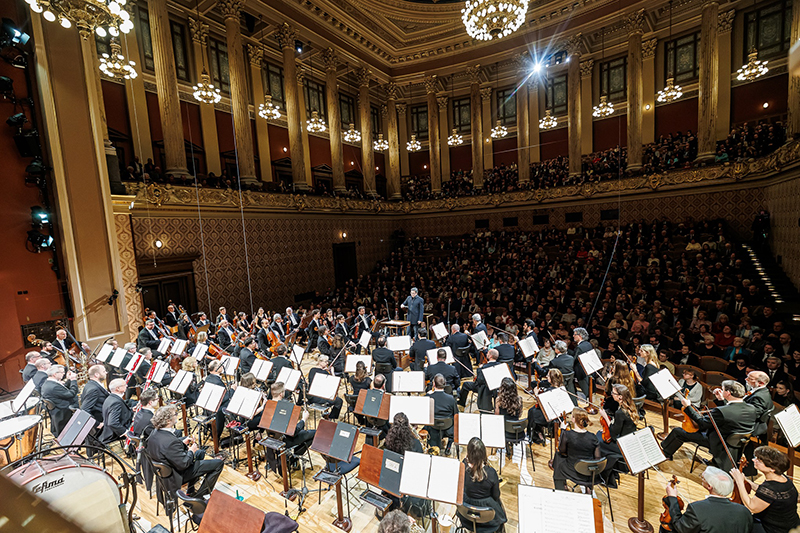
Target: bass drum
<point x="78" y="489"/>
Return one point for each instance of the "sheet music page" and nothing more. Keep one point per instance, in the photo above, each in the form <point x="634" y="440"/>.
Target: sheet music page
<point x="480" y="339"/>
<point x="324" y="386"/>
<point x="544" y="510"/>
<point x="297" y="354"/>
<point x="163" y="347"/>
<point x="439" y="331"/>
<point x="353" y="359"/>
<point x="210" y="397"/>
<point x="289" y="377"/>
<point x="104" y="352"/>
<point x="134" y="364"/>
<point x="469" y="425"/>
<point x="641" y="450"/>
<point x="23" y="396"/>
<point x="244" y="402"/>
<point x="591" y="363"/>
<point x="180" y="382"/>
<point x="665" y="383"/>
<point x="364" y="339"/>
<point x="412" y="381"/>
<point x="118" y="356"/>
<point x="443" y="480"/>
<point x="399" y="344"/>
<point x="493" y="431"/>
<point x="528" y="346"/>
<point x="418" y="409"/>
<point x="199" y="351"/>
<point x="555" y="402"/>
<point x="261" y="369"/>
<point x="432" y="359"/>
<point x="161" y="369"/>
<point x="495" y="374"/>
<point x="229" y="365"/>
<point x="179" y="346"/>
<point x="789" y="420"/>
<point x="415" y="474"/>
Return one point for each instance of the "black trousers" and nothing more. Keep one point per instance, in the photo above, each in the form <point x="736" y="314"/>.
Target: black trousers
<point x="210" y="468"/>
<point x="677" y="437"/>
<point x="466" y="388"/>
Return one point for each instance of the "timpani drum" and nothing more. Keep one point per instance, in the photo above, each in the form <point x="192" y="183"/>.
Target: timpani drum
<point x="78" y="489"/>
<point x="30" y="408"/>
<point x="18" y="435"/>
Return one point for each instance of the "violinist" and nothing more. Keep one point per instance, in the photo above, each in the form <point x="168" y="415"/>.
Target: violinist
<point x="714" y="514"/>
<point x="581" y="338"/>
<point x="248" y="381"/>
<point x="620" y="375"/>
<point x="576" y="445"/>
<point x="648" y="354"/>
<point x="449" y="373"/>
<point x="359" y="381"/>
<point x="419" y="350"/>
<point x="262" y="337"/>
<point x="247" y="355"/>
<point x="312" y="331"/>
<point x="258" y="319"/>
<point x="456" y="341"/>
<point x="338" y="354"/>
<point x="214" y="377"/>
<point x="341" y="328"/>
<point x="184" y="325"/>
<point x="242" y="324"/>
<point x="277" y="327"/>
<point x="477" y="327"/>
<point x="444" y="407"/>
<point x="147" y="336"/>
<point x="482" y="486"/>
<point x="505" y="350"/>
<point x="329" y="320"/>
<point x="509" y="405"/>
<point x="323" y="345"/>
<point x="225" y="334"/>
<point x="363" y="323"/>
<point x="336" y="403"/>
<point x="302" y="437"/>
<point x="190" y="365"/>
<point x="690" y="387"/>
<point x="382" y="354"/>
<point x="479" y="385"/>
<point x="536" y="419"/>
<point x="223" y="315"/>
<point x="625" y="421"/>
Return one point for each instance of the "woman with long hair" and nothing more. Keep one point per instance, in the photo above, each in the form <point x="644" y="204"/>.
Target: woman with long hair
<point x="508" y="404"/>
<point x="649" y="360"/>
<point x="482" y="486"/>
<point x="626" y="418"/>
<point x="578" y="444"/>
<point x="620" y="375"/>
<point x="400" y="438"/>
<point x="536" y="419"/>
<point x="189" y="364"/>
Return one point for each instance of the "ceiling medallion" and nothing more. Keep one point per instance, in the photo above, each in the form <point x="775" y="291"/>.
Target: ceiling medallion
<point x="205" y="91"/>
<point x="380" y="144"/>
<point x="268" y="110"/>
<point x="352" y="135"/>
<point x="548" y="122"/>
<point x="493" y="19"/>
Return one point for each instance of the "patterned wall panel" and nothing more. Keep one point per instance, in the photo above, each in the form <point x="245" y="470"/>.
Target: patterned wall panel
<point x="130" y="274"/>
<point x="784" y="208"/>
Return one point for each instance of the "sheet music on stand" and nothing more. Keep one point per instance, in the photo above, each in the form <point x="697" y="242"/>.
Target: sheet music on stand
<point x="399" y="344"/>
<point x="789" y="420"/>
<point x="199" y="351"/>
<point x="528" y="346"/>
<point x="641" y="450"/>
<point x="104" y="353"/>
<point x="244" y="402"/>
<point x="118" y="357"/>
<point x="555" y="403"/>
<point x="297" y="355"/>
<point x="432" y="477"/>
<point x="19" y="401"/>
<point x="352" y="360"/>
<point x="180" y="382"/>
<point x="364" y="339"/>
<point x="261" y="369"/>
<point x="590" y="362"/>
<point x="211" y="397"/>
<point x="480" y="340"/>
<point x="495" y="374"/>
<point x="491" y="429"/>
<point x="544" y="510"/>
<point x="665" y="383"/>
<point x="324" y="386"/>
<point x="229" y="365"/>
<point x="412" y="381"/>
<point x="418" y="409"/>
<point x="289" y="377"/>
<point x="179" y="347"/>
<point x="160" y="371"/>
<point x="134" y="364"/>
<point x="433" y="357"/>
<point x="163" y="346"/>
<point x="439" y="331"/>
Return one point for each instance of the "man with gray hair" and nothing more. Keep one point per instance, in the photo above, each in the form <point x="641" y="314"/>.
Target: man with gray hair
<point x="30" y="365"/>
<point x="117" y="413"/>
<point x="416" y="311"/>
<point x="479" y="386"/>
<point x="42" y="365"/>
<point x="277" y="327"/>
<point x="714" y="514"/>
<point x="62" y="394"/>
<point x="735" y="417"/>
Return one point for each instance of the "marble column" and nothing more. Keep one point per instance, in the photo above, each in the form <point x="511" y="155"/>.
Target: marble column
<point x="635" y="26"/>
<point x="475" y="104"/>
<point x="393" y="168"/>
<point x="137" y="103"/>
<point x="208" y="119"/>
<point x="587" y="130"/>
<point x="367" y="156"/>
<point x="523" y="122"/>
<point x="649" y="90"/>
<point x="708" y="85"/>
<point x="534" y="152"/>
<point x="240" y="100"/>
<point x="793" y="122"/>
<point x="444" y="133"/>
<point x="488" y="124"/>
<point x="434" y="139"/>
<point x="295" y="115"/>
<point x="169" y="105"/>
<point x="256" y="54"/>
<point x="574" y="104"/>
<point x="724" y="42"/>
<point x="402" y="137"/>
<point x="331" y="62"/>
<point x="301" y="102"/>
<point x="112" y="159"/>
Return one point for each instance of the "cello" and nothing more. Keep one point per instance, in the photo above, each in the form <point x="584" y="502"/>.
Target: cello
<point x="666" y="518"/>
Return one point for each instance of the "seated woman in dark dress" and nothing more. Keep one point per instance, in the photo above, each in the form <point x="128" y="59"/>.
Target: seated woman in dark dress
<point x="401" y="439"/>
<point x="620" y="375"/>
<point x="774" y="504"/>
<point x="625" y="420"/>
<point x="359" y="381"/>
<point x="482" y="487"/>
<point x="648" y="353"/>
<point x="537" y="422"/>
<point x="575" y="445"/>
<point x="508" y="404"/>
<point x="192" y="392"/>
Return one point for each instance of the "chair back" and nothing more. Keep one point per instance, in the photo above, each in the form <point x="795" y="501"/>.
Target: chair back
<point x="48" y="404"/>
<point x="383" y="368"/>
<point x="351" y="400"/>
<point x="591" y="467"/>
<point x="442" y="424"/>
<point x="699" y="372"/>
<point x="639" y="403"/>
<point x="475" y="515"/>
<point x="161" y="470"/>
<point x="568" y="377"/>
<point x="195" y="506"/>
<point x="715" y="379"/>
<point x="737" y="440"/>
<point x="462" y="352"/>
<point x="709" y="363"/>
<point x="517" y="427"/>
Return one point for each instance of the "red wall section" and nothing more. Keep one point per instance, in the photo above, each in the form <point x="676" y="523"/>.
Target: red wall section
<point x="417" y="162"/>
<point x="460" y="158"/>
<point x="678" y="116"/>
<point x="320" y="151"/>
<point x="747" y="100"/>
<point x="155" y="119"/>
<point x="380" y="163"/>
<point x="554" y="143"/>
<point x="505" y="151"/>
<point x="224" y="131"/>
<point x="610" y="132"/>
<point x="116" y="107"/>
<point x="278" y="140"/>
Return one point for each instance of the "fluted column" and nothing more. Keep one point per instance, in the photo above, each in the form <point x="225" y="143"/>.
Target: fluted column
<point x="367" y="155"/>
<point x="475" y="106"/>
<point x="488" y="124"/>
<point x="256" y="54"/>
<point x="240" y="101"/>
<point x="523" y="123"/>
<point x="574" y="104"/>
<point x="708" y="84"/>
<point x="402" y="137"/>
<point x="534" y="152"/>
<point x="724" y="38"/>
<point x="587" y="131"/>
<point x="393" y="169"/>
<point x="295" y="116"/>
<point x="208" y="121"/>
<point x="649" y="90"/>
<point x="635" y="23"/>
<point x="137" y="103"/>
<point x="169" y="105"/>
<point x="434" y="147"/>
<point x="331" y="62"/>
<point x="793" y="122"/>
<point x="301" y="102"/>
<point x="444" y="133"/>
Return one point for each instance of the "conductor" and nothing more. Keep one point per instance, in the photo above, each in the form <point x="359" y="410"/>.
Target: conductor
<point x="416" y="308"/>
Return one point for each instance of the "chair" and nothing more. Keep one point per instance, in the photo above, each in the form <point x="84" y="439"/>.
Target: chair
<point x="462" y="354"/>
<point x="735" y="442"/>
<point x="639" y="403"/>
<point x="474" y="516"/>
<point x="195" y="507"/>
<point x="699" y="372"/>
<point x="592" y="468"/>
<point x="48" y="407"/>
<point x="715" y="379"/>
<point x="161" y="473"/>
<point x="341" y="468"/>
<point x="709" y="363"/>
<point x="351" y="400"/>
<point x="569" y="382"/>
<point x="518" y="428"/>
<point x="441" y="425"/>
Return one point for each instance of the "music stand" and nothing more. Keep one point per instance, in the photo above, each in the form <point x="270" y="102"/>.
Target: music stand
<point x="381" y="469"/>
<point x="281" y="418"/>
<point x="225" y="514"/>
<point x="373" y="404"/>
<point x="77" y="429"/>
<point x="336" y="441"/>
<point x="210" y="399"/>
<point x="245" y="403"/>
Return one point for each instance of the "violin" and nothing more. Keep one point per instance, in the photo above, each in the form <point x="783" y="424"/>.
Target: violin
<point x="606" y="428"/>
<point x="666" y="518"/>
<point x="688" y="425"/>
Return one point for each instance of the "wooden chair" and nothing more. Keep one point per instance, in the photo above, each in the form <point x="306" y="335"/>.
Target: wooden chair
<point x="715" y="379"/>
<point x="699" y="372"/>
<point x="709" y="363"/>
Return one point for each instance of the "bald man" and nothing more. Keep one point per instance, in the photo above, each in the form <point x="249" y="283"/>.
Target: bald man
<point x="117" y="413"/>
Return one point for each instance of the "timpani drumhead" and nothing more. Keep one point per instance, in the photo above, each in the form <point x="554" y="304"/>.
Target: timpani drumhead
<point x="30" y="406"/>
<point x="15" y="426"/>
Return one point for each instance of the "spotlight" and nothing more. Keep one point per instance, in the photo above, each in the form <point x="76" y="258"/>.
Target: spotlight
<point x="39" y="216"/>
<point x="36" y="167"/>
<point x="298" y="46"/>
<point x="12" y="35"/>
<point x="17" y="120"/>
<point x="114" y="296"/>
<point x="344" y="234"/>
<point x="765" y="105"/>
<point x="537" y="67"/>
<point x="39" y="241"/>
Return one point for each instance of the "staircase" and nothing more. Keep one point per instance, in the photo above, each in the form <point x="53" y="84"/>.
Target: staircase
<point x="769" y="274"/>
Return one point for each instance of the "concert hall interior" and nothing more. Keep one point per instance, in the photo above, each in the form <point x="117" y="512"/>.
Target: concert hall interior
<point x="400" y="265"/>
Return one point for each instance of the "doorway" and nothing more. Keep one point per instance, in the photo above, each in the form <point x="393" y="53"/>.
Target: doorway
<point x="345" y="266"/>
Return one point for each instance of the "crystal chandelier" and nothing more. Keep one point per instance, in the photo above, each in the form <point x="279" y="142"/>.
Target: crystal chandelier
<point x="90" y="15"/>
<point x="670" y="92"/>
<point x="268" y="110"/>
<point x="753" y="69"/>
<point x="547" y="122"/>
<point x="380" y="144"/>
<point x="455" y="138"/>
<point x="499" y="131"/>
<point x="351" y="135"/>
<point x="413" y="145"/>
<point x="114" y="65"/>
<point x="205" y="92"/>
<point x="604" y="108"/>
<point x="315" y="124"/>
<point x="493" y="19"/>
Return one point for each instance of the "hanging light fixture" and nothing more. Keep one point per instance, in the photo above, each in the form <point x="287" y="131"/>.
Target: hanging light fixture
<point x="604" y="108"/>
<point x="499" y="131"/>
<point x="103" y="18"/>
<point x="753" y="69"/>
<point x="455" y="138"/>
<point x="547" y="122"/>
<point x="380" y="144"/>
<point x="413" y="145"/>
<point x="315" y="124"/>
<point x="352" y="135"/>
<point x="205" y="92"/>
<point x="114" y="65"/>
<point x="671" y="91"/>
<point x="493" y="19"/>
<point x="268" y="110"/>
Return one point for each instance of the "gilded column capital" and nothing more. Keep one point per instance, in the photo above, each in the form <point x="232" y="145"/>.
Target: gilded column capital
<point x="256" y="54"/>
<point x="574" y="45"/>
<point x="725" y="21"/>
<point x="401" y="108"/>
<point x="286" y="36"/>
<point x="363" y="76"/>
<point x="649" y="48"/>
<point x="199" y="31"/>
<point x="230" y="9"/>
<point x="430" y="84"/>
<point x="634" y="23"/>
<point x="392" y="90"/>
<point x="486" y="93"/>
<point x="384" y="110"/>
<point x="586" y="68"/>
<point x="330" y="59"/>
<point x="442" y="102"/>
<point x="475" y="74"/>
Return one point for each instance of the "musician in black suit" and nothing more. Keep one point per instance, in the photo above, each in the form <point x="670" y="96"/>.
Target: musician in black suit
<point x="477" y="327"/>
<point x="444" y="407"/>
<point x="323" y="345"/>
<point x="419" y="350"/>
<point x="117" y="414"/>
<point x="714" y="514"/>
<point x="42" y="366"/>
<point x="382" y="354"/>
<point x="292" y="319"/>
<point x="449" y="373"/>
<point x="264" y="344"/>
<point x="362" y="323"/>
<point x="223" y="315"/>
<point x="479" y="386"/>
<point x="188" y="463"/>
<point x="774" y="371"/>
<point x="225" y="335"/>
<point x="758" y="396"/>
<point x="171" y="318"/>
<point x="48" y="351"/>
<point x="148" y="337"/>
<point x="214" y="377"/>
<point x="456" y="341"/>
<point x="341" y="327"/>
<point x="416" y="310"/>
<point x="581" y="338"/>
<point x="279" y="362"/>
<point x="302" y="437"/>
<point x="202" y="320"/>
<point x="30" y="365"/>
<point x="733" y="417"/>
<point x="94" y="394"/>
<point x="143" y="427"/>
<point x="247" y="355"/>
<point x="278" y="327"/>
<point x="63" y="396"/>
<point x="144" y="369"/>
<point x="312" y="331"/>
<point x="506" y="351"/>
<point x="60" y="343"/>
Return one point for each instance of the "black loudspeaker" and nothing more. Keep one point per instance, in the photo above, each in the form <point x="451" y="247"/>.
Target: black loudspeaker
<point x="28" y="143"/>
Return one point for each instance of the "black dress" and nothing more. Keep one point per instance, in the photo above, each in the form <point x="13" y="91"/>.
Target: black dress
<point x="781" y="515"/>
<point x="575" y="446"/>
<point x="622" y="425"/>
<point x="650" y="391"/>
<point x="484" y="493"/>
<point x="536" y="419"/>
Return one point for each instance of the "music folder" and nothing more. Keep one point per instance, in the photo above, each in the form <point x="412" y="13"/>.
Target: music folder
<point x="555" y="403"/>
<point x="433" y="358"/>
<point x="352" y="360"/>
<point x="282" y="415"/>
<point x="528" y="346"/>
<point x="545" y="510"/>
<point x="324" y="386"/>
<point x="789" y="421"/>
<point x="439" y="331"/>
<point x="179" y="347"/>
<point x="297" y="355"/>
<point x="665" y="383"/>
<point x="199" y="351"/>
<point x="435" y="478"/>
<point x="22" y="397"/>
<point x="180" y="382"/>
<point x="480" y="340"/>
<point x="590" y="362"/>
<point x="244" y="402"/>
<point x="163" y="346"/>
<point x="289" y="377"/>
<point x="118" y="357"/>
<point x="399" y="344"/>
<point x="79" y="426"/>
<point x="494" y="375"/>
<point x="134" y="364"/>
<point x="225" y="513"/>
<point x="411" y="381"/>
<point x="104" y="353"/>
<point x="336" y="440"/>
<point x="418" y="409"/>
<point x="373" y="403"/>
<point x="229" y="365"/>
<point x="160" y="371"/>
<point x="490" y="429"/>
<point x="364" y="339"/>
<point x="391" y="470"/>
